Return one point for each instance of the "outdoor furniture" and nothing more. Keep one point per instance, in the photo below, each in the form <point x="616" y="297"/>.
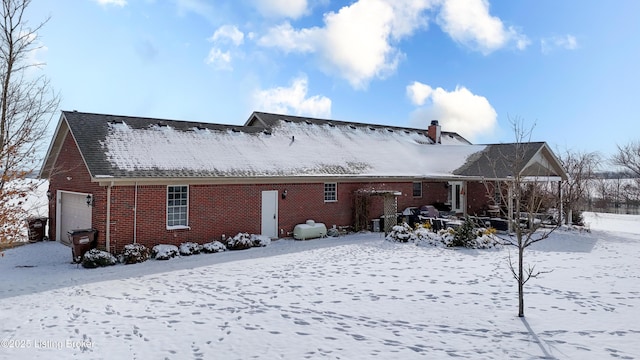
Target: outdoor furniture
<point x="452" y="223"/>
<point x="499" y="224"/>
<point x="437" y="224"/>
<point x="429" y="211"/>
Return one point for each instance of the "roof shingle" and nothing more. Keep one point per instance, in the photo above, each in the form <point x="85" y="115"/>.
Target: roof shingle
<point x="271" y="145"/>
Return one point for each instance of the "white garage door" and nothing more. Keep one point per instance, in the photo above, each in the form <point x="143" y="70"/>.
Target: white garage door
<point x="73" y="213"/>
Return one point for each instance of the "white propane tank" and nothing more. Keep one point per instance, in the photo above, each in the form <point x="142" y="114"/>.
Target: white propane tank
<point x="309" y="230"/>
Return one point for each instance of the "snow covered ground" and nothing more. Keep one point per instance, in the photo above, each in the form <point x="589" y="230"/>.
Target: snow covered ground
<point x="354" y="297"/>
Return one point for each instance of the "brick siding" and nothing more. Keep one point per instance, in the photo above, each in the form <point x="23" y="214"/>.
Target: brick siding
<point x="215" y="210"/>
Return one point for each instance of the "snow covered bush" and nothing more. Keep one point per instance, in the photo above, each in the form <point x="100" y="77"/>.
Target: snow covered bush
<point x="164" y="252"/>
<point x="401" y="233"/>
<point x="487" y="231"/>
<point x="240" y="242"/>
<point x="97" y="258"/>
<point x="464" y="235"/>
<point x="135" y="253"/>
<point x="260" y="240"/>
<point x="333" y="232"/>
<point x="190" y="248"/>
<point x="478" y="238"/>
<point x="213" y="247"/>
<point x="426" y="237"/>
<point x="447" y="236"/>
<point x="487" y="241"/>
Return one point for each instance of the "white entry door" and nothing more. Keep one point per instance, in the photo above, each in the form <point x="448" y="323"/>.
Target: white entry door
<point x="72" y="213"/>
<point x="457" y="196"/>
<point x="270" y="213"/>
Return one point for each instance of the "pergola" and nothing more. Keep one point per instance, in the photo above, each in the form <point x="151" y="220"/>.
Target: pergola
<point x="390" y="208"/>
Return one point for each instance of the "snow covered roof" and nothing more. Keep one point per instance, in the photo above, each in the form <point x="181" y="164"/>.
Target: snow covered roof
<point x="267" y="146"/>
<point x="268" y="120"/>
<point x="498" y="161"/>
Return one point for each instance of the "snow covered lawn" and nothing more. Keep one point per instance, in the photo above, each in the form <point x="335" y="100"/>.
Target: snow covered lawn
<point x="354" y="297"/>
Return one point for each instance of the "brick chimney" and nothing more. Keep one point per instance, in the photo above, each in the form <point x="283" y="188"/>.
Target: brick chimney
<point x="434" y="131"/>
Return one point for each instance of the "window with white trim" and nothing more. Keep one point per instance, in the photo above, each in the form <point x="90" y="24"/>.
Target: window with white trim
<point x="177" y="206"/>
<point x="330" y="192"/>
<point x="417" y="189"/>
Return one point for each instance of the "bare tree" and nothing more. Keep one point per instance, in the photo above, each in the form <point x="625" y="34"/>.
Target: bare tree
<point x="27" y="104"/>
<point x="581" y="168"/>
<point x="603" y="193"/>
<point x="527" y="201"/>
<point x="628" y="157"/>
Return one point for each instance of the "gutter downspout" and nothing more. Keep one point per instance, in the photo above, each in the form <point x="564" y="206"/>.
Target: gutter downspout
<point x="135" y="213"/>
<point x="108" y="218"/>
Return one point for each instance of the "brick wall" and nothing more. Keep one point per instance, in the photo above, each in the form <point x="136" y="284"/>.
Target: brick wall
<point x="215" y="210"/>
<point x="70" y="173"/>
<point x="478" y="195"/>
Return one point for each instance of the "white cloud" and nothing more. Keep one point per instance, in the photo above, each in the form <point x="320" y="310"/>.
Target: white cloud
<point x="409" y="15"/>
<point x="459" y="111"/>
<point x="228" y="33"/>
<point x="419" y="93"/>
<point x="219" y="59"/>
<point x="200" y="7"/>
<point x="120" y="3"/>
<point x="292" y="100"/>
<point x="567" y="42"/>
<point x="282" y="8"/>
<point x="286" y="38"/>
<point x="35" y="62"/>
<point x="357" y="42"/>
<point x="469" y="22"/>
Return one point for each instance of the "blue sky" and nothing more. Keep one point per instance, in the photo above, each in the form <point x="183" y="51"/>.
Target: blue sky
<point x="570" y="68"/>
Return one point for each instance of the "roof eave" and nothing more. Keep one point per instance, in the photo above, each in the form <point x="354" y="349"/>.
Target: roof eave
<point x="554" y="163"/>
<point x="54" y="148"/>
<point x="255" y="116"/>
<point x="105" y="180"/>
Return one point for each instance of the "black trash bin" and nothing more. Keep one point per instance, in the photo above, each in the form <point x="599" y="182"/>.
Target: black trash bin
<point x="37" y="227"/>
<point x="82" y="240"/>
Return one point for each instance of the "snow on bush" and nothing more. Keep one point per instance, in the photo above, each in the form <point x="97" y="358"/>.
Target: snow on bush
<point x="213" y="247"/>
<point x="190" y="248"/>
<point x="240" y="242"/>
<point x="426" y="237"/>
<point x="135" y="253"/>
<point x="21" y="198"/>
<point x="260" y="240"/>
<point x="462" y="237"/>
<point x="333" y="232"/>
<point x="401" y="233"/>
<point x="164" y="251"/>
<point x="97" y="258"/>
<point x="487" y="242"/>
<point x="447" y="236"/>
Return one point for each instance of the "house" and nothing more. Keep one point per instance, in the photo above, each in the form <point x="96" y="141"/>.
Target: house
<point x="156" y="181"/>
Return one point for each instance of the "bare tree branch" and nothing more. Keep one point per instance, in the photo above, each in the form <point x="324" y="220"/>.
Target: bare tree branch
<point x="520" y="200"/>
<point x="27" y="104"/>
<point x="531" y="273"/>
<point x="582" y="168"/>
<point x="628" y="157"/>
